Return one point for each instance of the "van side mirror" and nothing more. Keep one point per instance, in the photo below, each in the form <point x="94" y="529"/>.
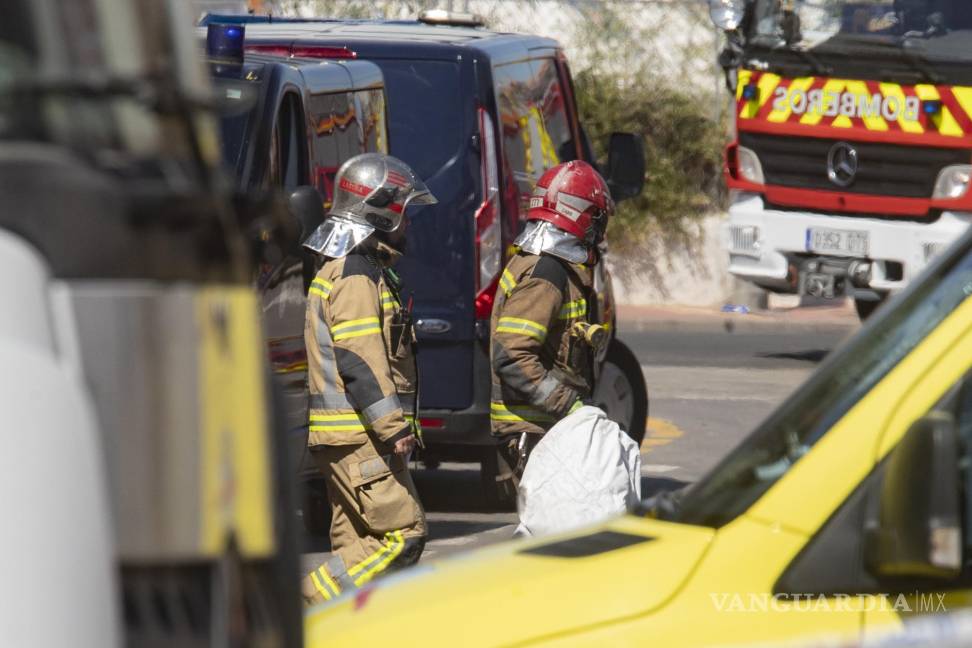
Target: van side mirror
<point x="625" y="166"/>
<point x="306" y="206"/>
<point x="916" y="530"/>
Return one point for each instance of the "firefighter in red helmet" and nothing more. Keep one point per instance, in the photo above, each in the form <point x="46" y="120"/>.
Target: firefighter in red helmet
<point x="542" y="367"/>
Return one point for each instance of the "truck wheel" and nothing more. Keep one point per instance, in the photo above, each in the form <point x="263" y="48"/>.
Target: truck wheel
<point x="621" y="391"/>
<point x="316" y="510"/>
<point x="866" y="308"/>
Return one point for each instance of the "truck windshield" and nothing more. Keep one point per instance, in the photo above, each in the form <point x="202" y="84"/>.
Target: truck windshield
<point x="880" y="39"/>
<point x="847" y="375"/>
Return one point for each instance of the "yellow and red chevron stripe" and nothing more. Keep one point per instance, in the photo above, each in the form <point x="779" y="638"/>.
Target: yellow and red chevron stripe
<point x="872" y="110"/>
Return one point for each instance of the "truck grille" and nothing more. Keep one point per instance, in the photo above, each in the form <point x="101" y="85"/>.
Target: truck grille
<point x="883" y="169"/>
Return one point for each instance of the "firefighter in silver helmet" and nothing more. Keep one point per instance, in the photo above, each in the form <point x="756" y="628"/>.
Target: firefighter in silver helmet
<point x="362" y="376"/>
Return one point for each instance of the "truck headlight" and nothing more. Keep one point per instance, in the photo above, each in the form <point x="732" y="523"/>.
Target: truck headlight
<point x="953" y="181"/>
<point x="749" y="166"/>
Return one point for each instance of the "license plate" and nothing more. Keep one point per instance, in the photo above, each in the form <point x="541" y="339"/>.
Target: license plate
<point x="834" y="241"/>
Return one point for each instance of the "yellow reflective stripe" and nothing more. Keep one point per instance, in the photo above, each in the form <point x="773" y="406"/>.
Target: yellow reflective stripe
<point x="527" y="327"/>
<point x="320" y="588"/>
<point x="507" y="282"/>
<point x="356" y="328"/>
<point x="500" y="412"/>
<point x="352" y="323"/>
<point x="337" y="423"/>
<point x="369" y="331"/>
<point x="378" y="561"/>
<point x="330" y="582"/>
<point x="387" y="300"/>
<point x="576" y="308"/>
<point x="321" y="288"/>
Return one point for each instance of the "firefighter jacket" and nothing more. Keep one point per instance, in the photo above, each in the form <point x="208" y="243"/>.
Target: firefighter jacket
<point x="539" y="369"/>
<point x="360" y="355"/>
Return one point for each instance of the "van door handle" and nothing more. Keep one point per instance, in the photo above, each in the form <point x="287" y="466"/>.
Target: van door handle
<point x="433" y="326"/>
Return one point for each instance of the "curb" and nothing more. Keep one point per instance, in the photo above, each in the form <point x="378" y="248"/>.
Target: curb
<point x="683" y="318"/>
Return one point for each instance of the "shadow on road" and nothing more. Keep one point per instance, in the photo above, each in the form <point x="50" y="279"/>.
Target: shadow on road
<point x="814" y="355"/>
<point x="653" y="485"/>
<point x="456" y="489"/>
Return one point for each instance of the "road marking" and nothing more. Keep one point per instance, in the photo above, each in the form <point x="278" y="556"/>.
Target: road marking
<point x="657" y="468"/>
<point x="659" y="432"/>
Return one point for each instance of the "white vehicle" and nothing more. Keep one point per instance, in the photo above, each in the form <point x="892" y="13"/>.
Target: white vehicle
<point x="853" y="153"/>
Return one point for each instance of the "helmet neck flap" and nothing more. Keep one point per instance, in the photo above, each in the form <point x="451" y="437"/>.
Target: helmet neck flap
<point x="543" y="237"/>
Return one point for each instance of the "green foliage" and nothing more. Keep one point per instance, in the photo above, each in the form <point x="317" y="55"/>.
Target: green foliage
<point x="682" y="150"/>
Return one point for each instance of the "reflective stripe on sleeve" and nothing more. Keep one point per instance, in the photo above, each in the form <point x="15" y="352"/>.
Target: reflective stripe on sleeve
<point x="384" y="407"/>
<point x="507" y="282"/>
<point x="337" y="423"/>
<point x="324" y="584"/>
<point x="321" y="288"/>
<point x="518" y="413"/>
<point x="523" y="326"/>
<point x="330" y="402"/>
<point x="544" y="388"/>
<point x="576" y="308"/>
<point x="356" y="328"/>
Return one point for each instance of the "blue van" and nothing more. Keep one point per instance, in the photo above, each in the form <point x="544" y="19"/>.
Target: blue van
<point x="480" y="116"/>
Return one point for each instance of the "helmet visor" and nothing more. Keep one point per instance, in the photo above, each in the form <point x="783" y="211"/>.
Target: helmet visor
<point x="420" y="194"/>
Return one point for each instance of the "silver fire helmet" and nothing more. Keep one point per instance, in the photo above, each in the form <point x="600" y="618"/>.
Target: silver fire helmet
<point x="371" y="192"/>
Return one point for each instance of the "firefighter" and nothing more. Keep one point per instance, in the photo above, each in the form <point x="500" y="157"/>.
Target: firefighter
<point x="362" y="376"/>
<point x="542" y="363"/>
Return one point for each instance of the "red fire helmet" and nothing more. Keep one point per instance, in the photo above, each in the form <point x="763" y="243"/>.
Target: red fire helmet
<point x="574" y="198"/>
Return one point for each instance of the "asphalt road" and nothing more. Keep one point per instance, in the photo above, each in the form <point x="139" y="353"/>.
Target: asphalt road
<point x="710" y="382"/>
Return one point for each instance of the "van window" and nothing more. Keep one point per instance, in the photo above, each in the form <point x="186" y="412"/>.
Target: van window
<point x="511" y="83"/>
<point x="287" y="168"/>
<point x="370" y="107"/>
<point x="551" y="99"/>
<point x="344" y="124"/>
<point x="533" y="118"/>
<point x="424" y="106"/>
<point x="334" y="137"/>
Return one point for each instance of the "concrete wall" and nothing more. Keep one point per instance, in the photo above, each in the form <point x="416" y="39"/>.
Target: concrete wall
<point x="688" y="277"/>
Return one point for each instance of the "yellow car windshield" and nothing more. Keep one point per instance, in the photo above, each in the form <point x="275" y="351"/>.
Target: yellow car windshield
<point x="845" y="377"/>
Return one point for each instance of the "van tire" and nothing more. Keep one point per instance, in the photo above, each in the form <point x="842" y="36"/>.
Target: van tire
<point x="621" y="391"/>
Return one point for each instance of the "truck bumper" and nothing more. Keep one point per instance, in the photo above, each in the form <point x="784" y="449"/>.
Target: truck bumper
<point x="769" y="246"/>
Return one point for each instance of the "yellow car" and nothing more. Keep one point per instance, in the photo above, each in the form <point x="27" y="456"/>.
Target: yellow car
<point x="846" y="512"/>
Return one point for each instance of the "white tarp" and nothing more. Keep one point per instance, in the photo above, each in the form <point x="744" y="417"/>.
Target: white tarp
<point x="585" y="469"/>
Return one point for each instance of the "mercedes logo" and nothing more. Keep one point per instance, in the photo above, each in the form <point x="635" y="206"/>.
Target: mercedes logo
<point x="842" y="164"/>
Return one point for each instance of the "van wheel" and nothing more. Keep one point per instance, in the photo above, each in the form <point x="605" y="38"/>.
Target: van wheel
<point x="621" y="391"/>
<point x="866" y="308"/>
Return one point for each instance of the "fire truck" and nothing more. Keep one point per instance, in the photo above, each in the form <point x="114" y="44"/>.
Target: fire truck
<point x="850" y="164"/>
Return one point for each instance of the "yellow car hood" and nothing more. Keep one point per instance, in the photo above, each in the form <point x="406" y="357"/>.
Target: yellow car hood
<point x="518" y="591"/>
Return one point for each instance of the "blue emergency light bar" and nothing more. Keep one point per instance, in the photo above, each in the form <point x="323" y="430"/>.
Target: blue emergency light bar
<point x="225" y="42"/>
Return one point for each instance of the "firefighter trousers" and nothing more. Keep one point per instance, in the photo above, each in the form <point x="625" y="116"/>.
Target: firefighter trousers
<point x="377" y="521"/>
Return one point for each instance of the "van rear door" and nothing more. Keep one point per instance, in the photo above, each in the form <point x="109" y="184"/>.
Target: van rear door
<point x="431" y="121"/>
